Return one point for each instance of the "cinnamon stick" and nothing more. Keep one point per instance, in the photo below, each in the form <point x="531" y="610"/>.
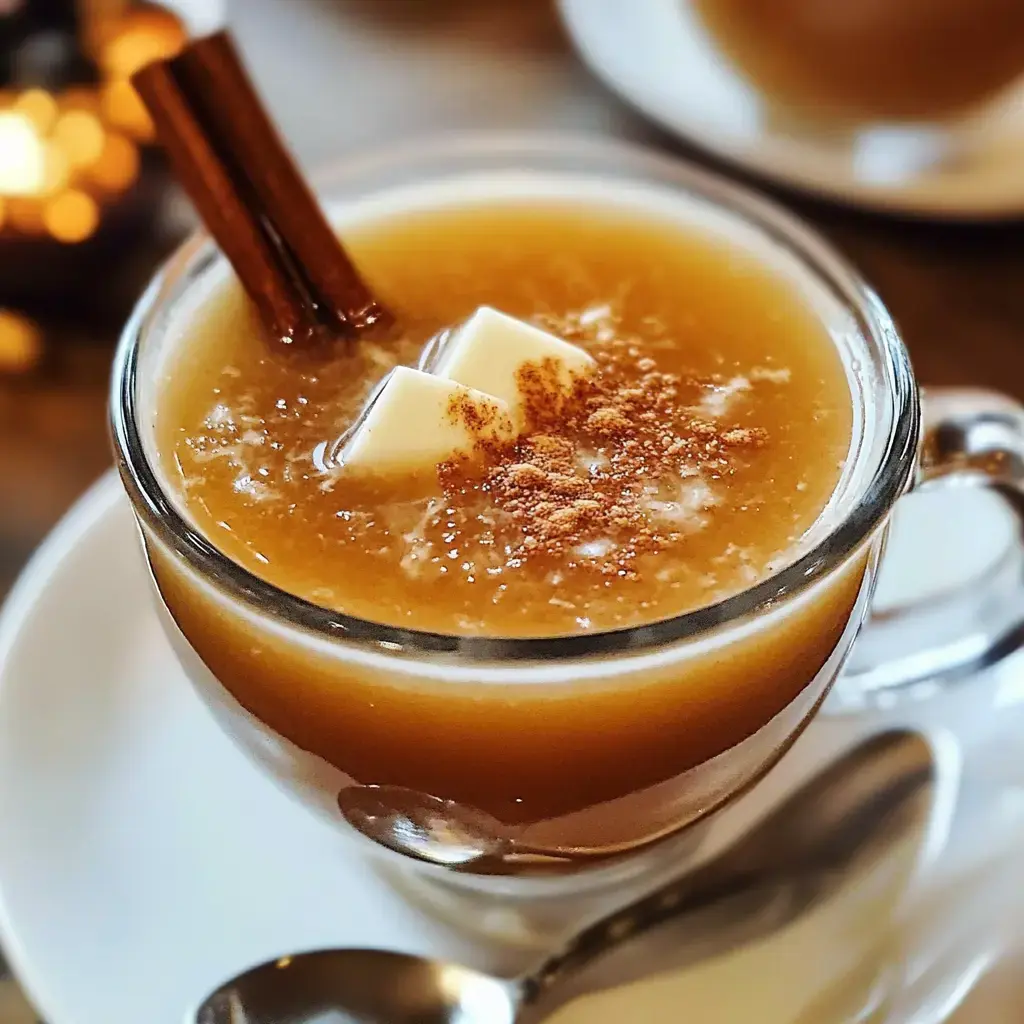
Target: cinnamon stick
<point x="216" y="77"/>
<point x="249" y="192"/>
<point x="214" y="192"/>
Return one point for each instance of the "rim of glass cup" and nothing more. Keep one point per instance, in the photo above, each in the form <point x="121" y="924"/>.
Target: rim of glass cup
<point x="888" y="479"/>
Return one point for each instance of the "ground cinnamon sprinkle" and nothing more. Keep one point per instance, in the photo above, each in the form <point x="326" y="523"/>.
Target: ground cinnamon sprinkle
<point x="588" y="479"/>
<point x="482" y="420"/>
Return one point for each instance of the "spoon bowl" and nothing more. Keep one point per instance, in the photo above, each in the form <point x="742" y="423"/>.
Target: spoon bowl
<point x="360" y="985"/>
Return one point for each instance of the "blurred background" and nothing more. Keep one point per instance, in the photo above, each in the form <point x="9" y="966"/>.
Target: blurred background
<point x="87" y="211"/>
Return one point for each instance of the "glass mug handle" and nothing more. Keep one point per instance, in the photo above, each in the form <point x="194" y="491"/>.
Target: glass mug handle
<point x="969" y="438"/>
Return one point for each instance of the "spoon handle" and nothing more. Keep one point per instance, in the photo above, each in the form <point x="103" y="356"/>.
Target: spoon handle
<point x="699" y="889"/>
<point x="784" y="862"/>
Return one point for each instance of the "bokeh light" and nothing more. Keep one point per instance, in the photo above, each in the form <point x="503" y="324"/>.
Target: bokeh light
<point x="66" y="156"/>
<point x="71" y="216"/>
<point x="22" y="156"/>
<point x="141" y="37"/>
<point x="80" y="136"/>
<point x="124" y="109"/>
<point x="21" y="342"/>
<point x="56" y="169"/>
<point x="25" y="215"/>
<point x="117" y="166"/>
<point x="39" y="107"/>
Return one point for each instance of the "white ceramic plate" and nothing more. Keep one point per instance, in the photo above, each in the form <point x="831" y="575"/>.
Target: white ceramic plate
<point x="142" y="859"/>
<point x="657" y="56"/>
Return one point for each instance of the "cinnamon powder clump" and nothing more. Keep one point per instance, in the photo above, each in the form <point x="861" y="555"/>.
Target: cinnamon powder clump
<point x="481" y="419"/>
<point x="598" y="474"/>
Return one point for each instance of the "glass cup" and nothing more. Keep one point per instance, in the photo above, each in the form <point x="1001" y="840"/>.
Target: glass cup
<point x="577" y="758"/>
<point x="876" y="61"/>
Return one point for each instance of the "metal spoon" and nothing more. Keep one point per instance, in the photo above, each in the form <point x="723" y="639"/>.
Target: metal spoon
<point x="879" y="791"/>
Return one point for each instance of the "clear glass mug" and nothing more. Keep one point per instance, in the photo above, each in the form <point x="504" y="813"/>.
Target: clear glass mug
<point x="558" y="786"/>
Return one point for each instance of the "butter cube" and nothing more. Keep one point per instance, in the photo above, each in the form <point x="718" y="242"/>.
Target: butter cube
<point x="419" y="420"/>
<point x="490" y="347"/>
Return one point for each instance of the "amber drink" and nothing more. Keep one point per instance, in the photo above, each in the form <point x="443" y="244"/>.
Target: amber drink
<point x="579" y="633"/>
<point x="873" y="60"/>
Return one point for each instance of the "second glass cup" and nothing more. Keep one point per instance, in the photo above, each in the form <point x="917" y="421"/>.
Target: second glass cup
<point x="518" y="766"/>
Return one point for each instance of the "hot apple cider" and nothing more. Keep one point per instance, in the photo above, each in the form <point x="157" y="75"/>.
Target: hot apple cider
<point x="591" y="417"/>
<point x="705" y="444"/>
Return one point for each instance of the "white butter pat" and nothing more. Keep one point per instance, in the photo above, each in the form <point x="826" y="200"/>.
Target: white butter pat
<point x="419" y="420"/>
<point x="489" y="349"/>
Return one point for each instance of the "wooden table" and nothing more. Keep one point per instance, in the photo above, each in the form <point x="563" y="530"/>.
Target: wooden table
<point x="346" y="74"/>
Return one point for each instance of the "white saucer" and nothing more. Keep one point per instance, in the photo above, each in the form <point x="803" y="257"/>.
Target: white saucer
<point x="142" y="859"/>
<point x="657" y="56"/>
